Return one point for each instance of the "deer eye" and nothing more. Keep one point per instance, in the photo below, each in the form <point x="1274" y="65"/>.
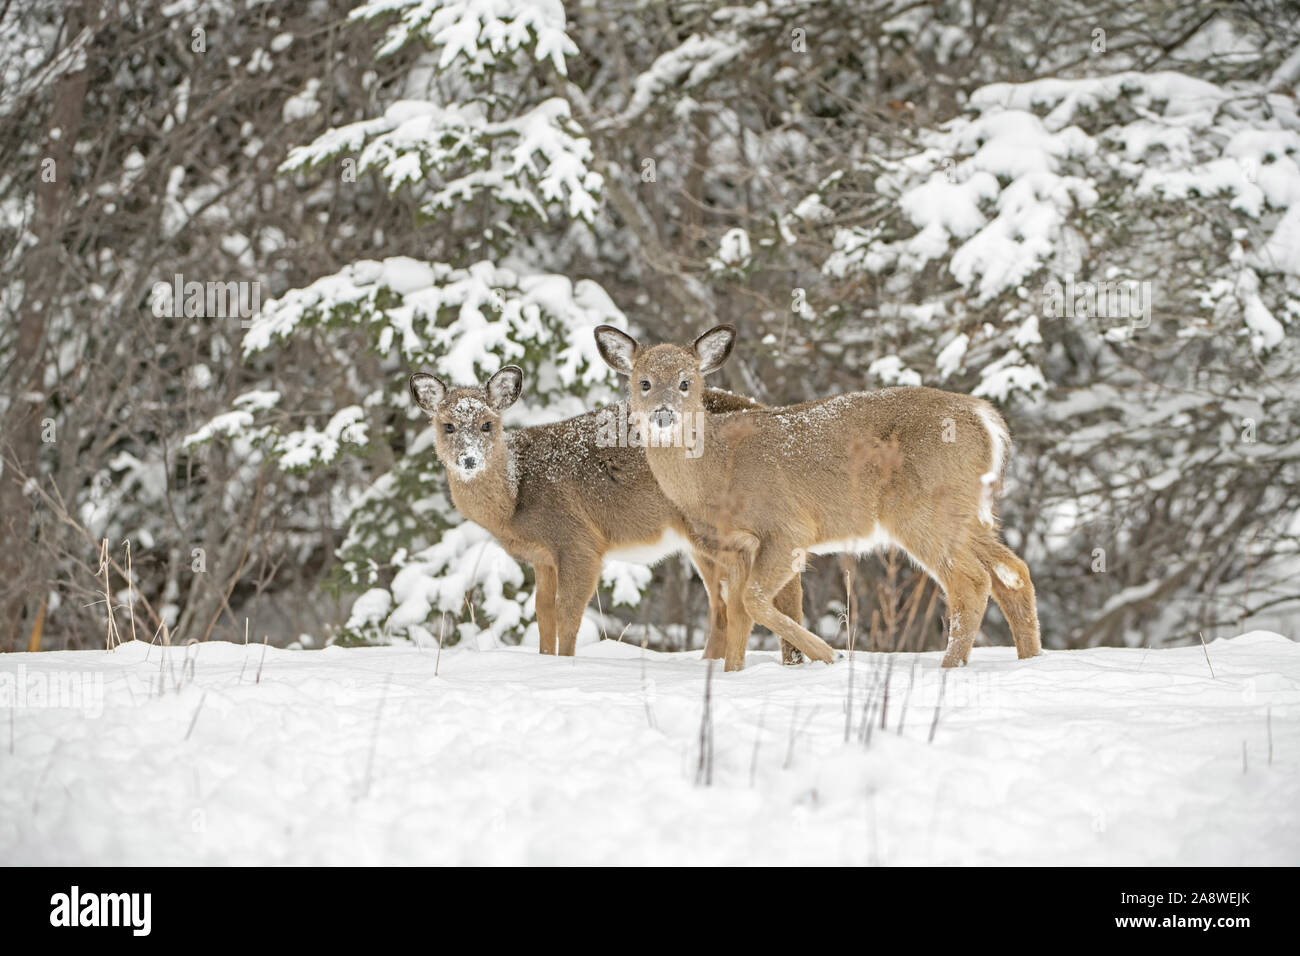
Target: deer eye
<point x="645" y="384"/>
<point x="448" y="427"/>
<point x="485" y="427"/>
<point x="685" y="386"/>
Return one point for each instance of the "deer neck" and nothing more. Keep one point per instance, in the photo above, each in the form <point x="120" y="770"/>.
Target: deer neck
<point x="491" y="497"/>
<point x="684" y="470"/>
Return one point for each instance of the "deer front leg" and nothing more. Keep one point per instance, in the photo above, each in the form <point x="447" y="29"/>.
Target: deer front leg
<point x="790" y="603"/>
<point x="709" y="574"/>
<point x="716" y="647"/>
<point x="545" y="600"/>
<point x="734" y="566"/>
<point x="770" y="572"/>
<point x="739" y="621"/>
<point x="578" y="579"/>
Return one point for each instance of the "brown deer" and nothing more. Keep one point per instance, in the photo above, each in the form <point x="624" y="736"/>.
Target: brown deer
<point x="916" y="468"/>
<point x="564" y="496"/>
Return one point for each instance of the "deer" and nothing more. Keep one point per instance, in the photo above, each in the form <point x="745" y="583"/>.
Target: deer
<point x="565" y="496"/>
<point x="914" y="468"/>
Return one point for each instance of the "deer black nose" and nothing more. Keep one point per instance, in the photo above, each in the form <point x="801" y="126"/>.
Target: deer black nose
<point x="663" y="417"/>
<point x="469" y="461"/>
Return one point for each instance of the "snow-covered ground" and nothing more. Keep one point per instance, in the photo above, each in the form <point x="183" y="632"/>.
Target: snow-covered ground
<point x="365" y="756"/>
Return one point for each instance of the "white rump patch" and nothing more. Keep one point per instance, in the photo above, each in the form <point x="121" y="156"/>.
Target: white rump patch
<point x="1001" y="441"/>
<point x="1008" y="576"/>
<point x="651" y="552"/>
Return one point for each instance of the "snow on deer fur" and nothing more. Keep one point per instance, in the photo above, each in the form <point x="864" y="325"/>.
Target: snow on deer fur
<point x="914" y="468"/>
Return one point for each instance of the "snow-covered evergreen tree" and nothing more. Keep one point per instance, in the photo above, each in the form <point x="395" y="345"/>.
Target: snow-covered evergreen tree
<point x="875" y="191"/>
<point x="1028" y="253"/>
<point x="485" y="160"/>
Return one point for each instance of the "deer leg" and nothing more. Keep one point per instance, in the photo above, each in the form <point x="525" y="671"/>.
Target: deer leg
<point x="739" y="621"/>
<point x="790" y="603"/>
<point x="717" y="644"/>
<point x="770" y="572"/>
<point x="578" y="580"/>
<point x="1013" y="590"/>
<point x="709" y="574"/>
<point x="734" y="567"/>
<point x="967" y="589"/>
<point x="545" y="600"/>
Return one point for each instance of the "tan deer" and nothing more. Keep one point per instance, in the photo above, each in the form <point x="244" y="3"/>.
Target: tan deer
<point x="916" y="468"/>
<point x="565" y="496"/>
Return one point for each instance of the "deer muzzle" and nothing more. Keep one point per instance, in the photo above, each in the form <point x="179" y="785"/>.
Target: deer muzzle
<point x="663" y="417"/>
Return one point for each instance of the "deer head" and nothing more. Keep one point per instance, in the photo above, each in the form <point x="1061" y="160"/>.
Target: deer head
<point x="468" y="420"/>
<point x="666" y="382"/>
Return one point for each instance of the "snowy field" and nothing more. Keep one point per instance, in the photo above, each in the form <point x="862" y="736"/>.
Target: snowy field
<point x="1104" y="756"/>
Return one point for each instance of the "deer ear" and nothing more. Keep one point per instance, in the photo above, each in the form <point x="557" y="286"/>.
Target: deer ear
<point x="427" y="391"/>
<point x="617" y="348"/>
<point x="504" y="387"/>
<point x="713" y="347"/>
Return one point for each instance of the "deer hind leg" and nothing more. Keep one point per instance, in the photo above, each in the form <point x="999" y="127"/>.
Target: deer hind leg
<point x="967" y="587"/>
<point x="1013" y="590"/>
<point x="578" y="580"/>
<point x="546" y="585"/>
<point x="770" y="570"/>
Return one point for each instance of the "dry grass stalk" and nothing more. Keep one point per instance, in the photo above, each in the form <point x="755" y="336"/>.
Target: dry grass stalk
<point x="884" y="700"/>
<point x="849" y="621"/>
<point x="938" y="705"/>
<point x="195" y="719"/>
<point x="758" y="736"/>
<point x="704" y="768"/>
<point x="374" y="738"/>
<point x="1207" y="655"/>
<point x="868" y="708"/>
<point x="59" y="507"/>
<point x="265" y="638"/>
<point x="34" y="638"/>
<point x="130" y="583"/>
<point x="245" y="663"/>
<point x="645" y="687"/>
<point x="442" y="633"/>
<point x="112" y="638"/>
<point x="902" y="711"/>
